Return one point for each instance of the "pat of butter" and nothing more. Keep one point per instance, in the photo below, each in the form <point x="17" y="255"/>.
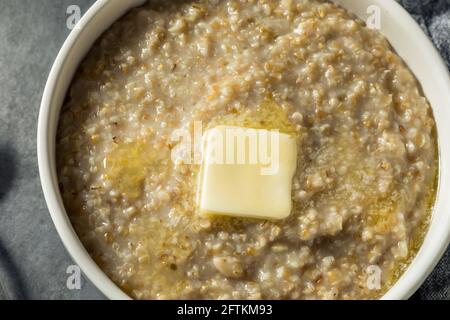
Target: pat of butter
<point x="246" y="173"/>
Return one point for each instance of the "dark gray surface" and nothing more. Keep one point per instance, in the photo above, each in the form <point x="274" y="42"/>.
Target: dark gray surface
<point x="33" y="261"/>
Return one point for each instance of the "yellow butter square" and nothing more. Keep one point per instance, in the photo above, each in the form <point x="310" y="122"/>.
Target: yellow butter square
<point x="247" y="172"/>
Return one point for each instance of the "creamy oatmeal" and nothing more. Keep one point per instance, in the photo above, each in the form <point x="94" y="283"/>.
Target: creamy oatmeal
<point x="366" y="171"/>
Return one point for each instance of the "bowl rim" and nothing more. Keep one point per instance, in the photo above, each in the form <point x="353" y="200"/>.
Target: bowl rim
<point x="424" y="260"/>
<point x="46" y="153"/>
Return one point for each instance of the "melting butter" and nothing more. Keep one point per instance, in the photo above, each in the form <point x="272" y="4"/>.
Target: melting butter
<point x="247" y="172"/>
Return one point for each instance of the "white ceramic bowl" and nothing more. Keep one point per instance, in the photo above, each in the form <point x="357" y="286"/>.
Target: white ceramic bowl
<point x="404" y="35"/>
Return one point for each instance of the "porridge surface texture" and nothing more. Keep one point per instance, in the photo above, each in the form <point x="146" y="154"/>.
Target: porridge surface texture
<point x="366" y="170"/>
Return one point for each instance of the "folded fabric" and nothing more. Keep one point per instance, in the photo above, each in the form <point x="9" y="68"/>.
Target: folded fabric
<point x="434" y="18"/>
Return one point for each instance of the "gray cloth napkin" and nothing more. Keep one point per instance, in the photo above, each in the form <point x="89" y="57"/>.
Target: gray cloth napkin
<point x="434" y="18"/>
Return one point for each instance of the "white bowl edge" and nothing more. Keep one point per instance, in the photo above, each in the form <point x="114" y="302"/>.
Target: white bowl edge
<point x="95" y="21"/>
<point x="424" y="61"/>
